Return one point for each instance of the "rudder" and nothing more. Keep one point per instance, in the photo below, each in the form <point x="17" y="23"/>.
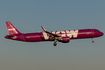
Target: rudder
<point x="11" y="29"/>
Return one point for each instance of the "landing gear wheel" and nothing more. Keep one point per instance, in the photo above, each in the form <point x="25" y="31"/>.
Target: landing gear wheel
<point x="92" y="41"/>
<point x="55" y="44"/>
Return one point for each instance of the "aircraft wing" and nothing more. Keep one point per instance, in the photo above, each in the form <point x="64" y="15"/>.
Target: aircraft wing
<point x="49" y="33"/>
<point x="55" y="35"/>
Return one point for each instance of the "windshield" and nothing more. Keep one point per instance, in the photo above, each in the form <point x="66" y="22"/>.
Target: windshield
<point x="97" y="31"/>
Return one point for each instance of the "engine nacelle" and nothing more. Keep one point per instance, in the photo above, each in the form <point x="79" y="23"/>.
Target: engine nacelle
<point x="64" y="39"/>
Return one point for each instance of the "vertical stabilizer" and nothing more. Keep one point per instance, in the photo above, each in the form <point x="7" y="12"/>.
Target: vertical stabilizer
<point x="11" y="29"/>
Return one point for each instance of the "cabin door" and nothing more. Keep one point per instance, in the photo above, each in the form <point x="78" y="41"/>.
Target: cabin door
<point x="92" y="31"/>
<point x="22" y="37"/>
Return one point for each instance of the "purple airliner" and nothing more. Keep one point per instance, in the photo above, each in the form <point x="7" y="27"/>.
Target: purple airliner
<point x="60" y="36"/>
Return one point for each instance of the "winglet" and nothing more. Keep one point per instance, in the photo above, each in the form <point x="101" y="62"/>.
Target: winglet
<point x="43" y="28"/>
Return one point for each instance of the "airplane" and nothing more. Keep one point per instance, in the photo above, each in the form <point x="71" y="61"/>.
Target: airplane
<point x="60" y="36"/>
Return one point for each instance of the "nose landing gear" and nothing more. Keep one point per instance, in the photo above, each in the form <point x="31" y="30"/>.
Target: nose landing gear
<point x="92" y="40"/>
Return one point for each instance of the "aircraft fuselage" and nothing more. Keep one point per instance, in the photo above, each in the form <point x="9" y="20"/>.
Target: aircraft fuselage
<point x="43" y="36"/>
<point x="61" y="36"/>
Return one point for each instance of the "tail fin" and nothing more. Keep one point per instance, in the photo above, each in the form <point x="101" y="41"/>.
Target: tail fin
<point x="11" y="29"/>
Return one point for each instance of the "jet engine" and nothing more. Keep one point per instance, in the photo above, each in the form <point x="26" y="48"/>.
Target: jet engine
<point x="64" y="39"/>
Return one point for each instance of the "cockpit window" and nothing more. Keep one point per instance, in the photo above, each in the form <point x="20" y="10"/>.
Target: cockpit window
<point x="97" y="31"/>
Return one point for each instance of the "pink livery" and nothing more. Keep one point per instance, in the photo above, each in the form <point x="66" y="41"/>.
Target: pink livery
<point x="60" y="36"/>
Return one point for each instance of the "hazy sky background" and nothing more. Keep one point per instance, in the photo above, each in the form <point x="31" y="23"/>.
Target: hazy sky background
<point x="29" y="15"/>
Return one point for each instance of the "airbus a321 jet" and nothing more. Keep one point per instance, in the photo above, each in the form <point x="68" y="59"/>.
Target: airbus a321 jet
<point x="60" y="36"/>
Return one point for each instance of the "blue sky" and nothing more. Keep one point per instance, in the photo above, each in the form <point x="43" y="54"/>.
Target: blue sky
<point x="29" y="15"/>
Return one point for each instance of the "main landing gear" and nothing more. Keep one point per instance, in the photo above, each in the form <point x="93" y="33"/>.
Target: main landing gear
<point x="55" y="43"/>
<point x="92" y="40"/>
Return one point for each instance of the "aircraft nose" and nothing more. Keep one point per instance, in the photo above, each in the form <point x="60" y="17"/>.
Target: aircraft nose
<point x="101" y="34"/>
